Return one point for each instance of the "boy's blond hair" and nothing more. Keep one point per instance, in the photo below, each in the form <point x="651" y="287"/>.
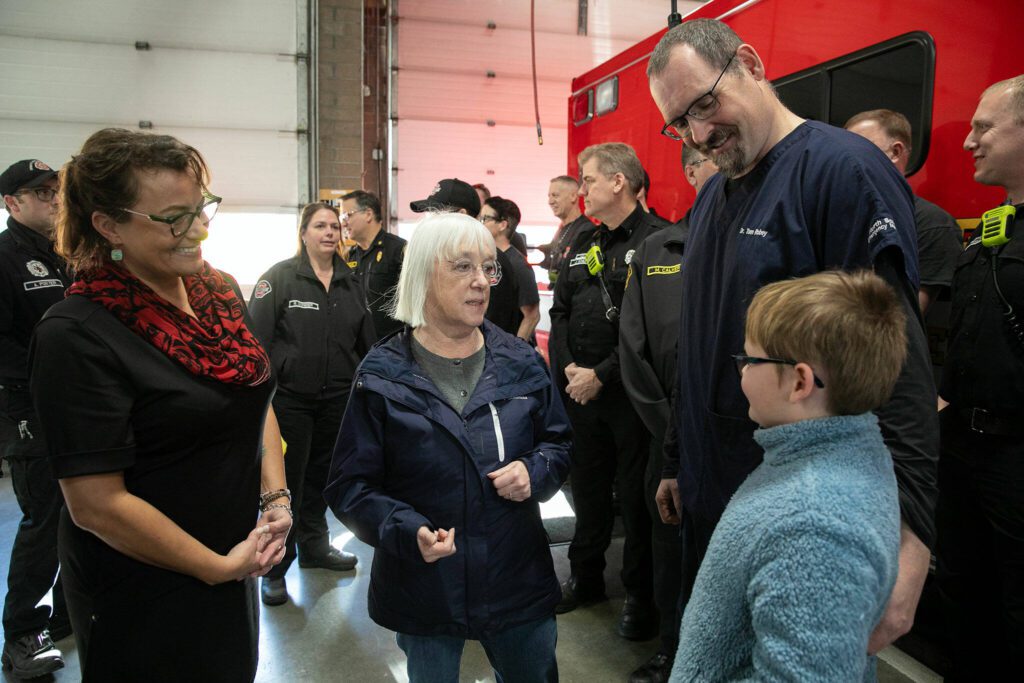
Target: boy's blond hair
<point x="848" y="326"/>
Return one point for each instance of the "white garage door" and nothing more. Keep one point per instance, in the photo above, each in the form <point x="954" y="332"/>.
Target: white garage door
<point x="221" y="75"/>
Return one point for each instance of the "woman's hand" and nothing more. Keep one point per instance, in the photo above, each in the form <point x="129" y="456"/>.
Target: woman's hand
<point x="435" y="545"/>
<point x="272" y="545"/>
<point x="244" y="559"/>
<point x="511" y="481"/>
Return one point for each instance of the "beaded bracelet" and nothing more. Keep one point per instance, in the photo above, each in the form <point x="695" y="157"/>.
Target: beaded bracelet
<point x="278" y="506"/>
<point x="270" y="496"/>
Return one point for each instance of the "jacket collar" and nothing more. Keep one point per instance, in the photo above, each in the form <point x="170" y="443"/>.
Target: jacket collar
<point x="28" y="239"/>
<point x="509" y="369"/>
<point x="305" y="268"/>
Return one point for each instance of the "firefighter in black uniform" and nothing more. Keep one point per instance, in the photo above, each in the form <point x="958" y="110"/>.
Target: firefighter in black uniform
<point x="609" y="437"/>
<point x="980" y="517"/>
<point x="376" y="257"/>
<point x="309" y="313"/>
<point x="648" y="339"/>
<point x="32" y="278"/>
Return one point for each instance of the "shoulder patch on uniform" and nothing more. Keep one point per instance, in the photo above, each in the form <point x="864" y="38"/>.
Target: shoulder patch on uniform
<point x="37" y="268"/>
<point x="262" y="289"/>
<point x="629" y="256"/>
<point x="308" y="305"/>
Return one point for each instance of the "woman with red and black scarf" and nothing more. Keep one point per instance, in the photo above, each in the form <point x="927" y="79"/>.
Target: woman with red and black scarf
<point x="153" y="397"/>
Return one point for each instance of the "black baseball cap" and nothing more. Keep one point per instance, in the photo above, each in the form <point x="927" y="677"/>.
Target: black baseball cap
<point x="23" y="175"/>
<point x="450" y="193"/>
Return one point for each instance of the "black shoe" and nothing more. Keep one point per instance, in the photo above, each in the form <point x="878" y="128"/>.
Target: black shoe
<point x="60" y="628"/>
<point x="574" y="595"/>
<point x="273" y="592"/>
<point x="32" y="656"/>
<point x="639" y="620"/>
<point x="334" y="559"/>
<point x="657" y="669"/>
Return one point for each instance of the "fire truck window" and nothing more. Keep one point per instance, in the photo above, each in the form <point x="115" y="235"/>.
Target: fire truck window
<point x="894" y="79"/>
<point x="897" y="74"/>
<point x="805" y="96"/>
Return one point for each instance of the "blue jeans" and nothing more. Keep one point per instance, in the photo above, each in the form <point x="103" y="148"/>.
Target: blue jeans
<point x="520" y="654"/>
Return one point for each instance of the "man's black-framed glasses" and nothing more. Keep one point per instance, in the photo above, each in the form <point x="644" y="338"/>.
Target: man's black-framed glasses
<point x="180" y="223"/>
<point x="743" y="361"/>
<point x="702" y="108"/>
<point x="43" y="194"/>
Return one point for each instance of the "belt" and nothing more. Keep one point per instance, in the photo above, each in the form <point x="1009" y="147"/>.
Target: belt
<point x="981" y="421"/>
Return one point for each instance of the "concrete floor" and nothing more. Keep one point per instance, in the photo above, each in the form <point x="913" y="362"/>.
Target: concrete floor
<point x="324" y="634"/>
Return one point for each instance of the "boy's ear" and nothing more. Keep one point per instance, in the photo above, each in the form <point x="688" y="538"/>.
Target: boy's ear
<point x="804" y="384"/>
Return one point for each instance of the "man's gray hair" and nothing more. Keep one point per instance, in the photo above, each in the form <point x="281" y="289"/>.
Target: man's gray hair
<point x="439" y="237"/>
<point x="616" y="157"/>
<point x="1016" y="84"/>
<point x="713" y="41"/>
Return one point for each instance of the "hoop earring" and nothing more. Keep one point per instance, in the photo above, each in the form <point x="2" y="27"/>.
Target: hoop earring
<point x="116" y="255"/>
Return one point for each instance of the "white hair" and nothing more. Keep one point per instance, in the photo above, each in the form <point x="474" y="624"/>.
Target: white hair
<point x="438" y="237"/>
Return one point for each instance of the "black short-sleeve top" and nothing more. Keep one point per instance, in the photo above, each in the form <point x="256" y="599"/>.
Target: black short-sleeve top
<point x="109" y="401"/>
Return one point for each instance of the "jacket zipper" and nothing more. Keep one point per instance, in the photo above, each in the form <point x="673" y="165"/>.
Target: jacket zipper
<point x="497" y="432"/>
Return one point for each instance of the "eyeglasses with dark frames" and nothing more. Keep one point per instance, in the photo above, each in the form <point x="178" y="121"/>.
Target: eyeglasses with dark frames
<point x="496" y="219"/>
<point x="180" y="223"/>
<point x="702" y="108"/>
<point x="43" y="194"/>
<point x="743" y="361"/>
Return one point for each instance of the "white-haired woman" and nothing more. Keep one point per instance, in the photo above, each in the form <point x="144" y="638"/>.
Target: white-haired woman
<point x="453" y="431"/>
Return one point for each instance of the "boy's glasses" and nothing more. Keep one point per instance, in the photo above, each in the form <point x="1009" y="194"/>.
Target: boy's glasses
<point x="180" y="223"/>
<point x="743" y="361"/>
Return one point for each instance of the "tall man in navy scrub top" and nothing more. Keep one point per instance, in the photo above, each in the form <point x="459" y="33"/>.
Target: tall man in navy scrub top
<point x="792" y="197"/>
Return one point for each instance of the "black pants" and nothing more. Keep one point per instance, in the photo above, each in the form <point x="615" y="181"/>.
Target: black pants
<point x="34" y="565"/>
<point x="666" y="552"/>
<point x="980" y="550"/>
<point x="610" y="443"/>
<point x="309" y="427"/>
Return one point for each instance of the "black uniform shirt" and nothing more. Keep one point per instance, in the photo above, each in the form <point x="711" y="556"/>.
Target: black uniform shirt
<point x="985" y="361"/>
<point x="581" y="331"/>
<point x="32" y="278"/>
<point x="316" y="338"/>
<point x="377" y="270"/>
<point x="560" y="245"/>
<point x="649" y="333"/>
<point x="939" y="243"/>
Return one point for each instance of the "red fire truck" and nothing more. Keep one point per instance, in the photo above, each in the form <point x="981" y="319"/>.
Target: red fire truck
<point x="830" y="59"/>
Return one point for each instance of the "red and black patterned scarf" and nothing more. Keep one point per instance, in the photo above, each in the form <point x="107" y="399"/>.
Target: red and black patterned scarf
<point x="215" y="344"/>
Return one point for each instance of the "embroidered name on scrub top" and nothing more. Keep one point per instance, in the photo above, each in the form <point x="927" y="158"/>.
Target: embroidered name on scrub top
<point x="41" y="284"/>
<point x="308" y="305"/>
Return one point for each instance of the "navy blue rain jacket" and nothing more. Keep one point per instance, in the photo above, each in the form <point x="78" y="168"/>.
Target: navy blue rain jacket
<point x="405" y="459"/>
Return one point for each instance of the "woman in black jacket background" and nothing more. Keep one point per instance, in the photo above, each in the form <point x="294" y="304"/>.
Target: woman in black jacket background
<point x="308" y="311"/>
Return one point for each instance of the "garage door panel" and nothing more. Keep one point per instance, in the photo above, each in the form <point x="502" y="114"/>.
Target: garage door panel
<point x="432" y="150"/>
<point x="108" y="83"/>
<point x="255" y="25"/>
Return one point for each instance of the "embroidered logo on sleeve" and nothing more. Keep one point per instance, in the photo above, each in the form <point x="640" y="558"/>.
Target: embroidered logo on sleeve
<point x="262" y="289"/>
<point x="880" y="226"/>
<point x="308" y="305"/>
<point x="37" y="268"/>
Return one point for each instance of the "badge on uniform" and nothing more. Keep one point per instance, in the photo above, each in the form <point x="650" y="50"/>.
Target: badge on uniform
<point x="37" y="268"/>
<point x="262" y="289"/>
<point x="380" y="255"/>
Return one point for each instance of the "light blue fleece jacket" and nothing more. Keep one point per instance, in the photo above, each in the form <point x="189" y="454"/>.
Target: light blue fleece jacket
<point x="801" y="565"/>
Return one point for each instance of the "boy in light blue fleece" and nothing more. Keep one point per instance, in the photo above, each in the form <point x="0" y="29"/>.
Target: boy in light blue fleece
<point x="800" y="567"/>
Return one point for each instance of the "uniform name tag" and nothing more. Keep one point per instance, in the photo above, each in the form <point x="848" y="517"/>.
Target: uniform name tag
<point x="663" y="270"/>
<point x="578" y="260"/>
<point x="40" y="284"/>
<point x="308" y="305"/>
